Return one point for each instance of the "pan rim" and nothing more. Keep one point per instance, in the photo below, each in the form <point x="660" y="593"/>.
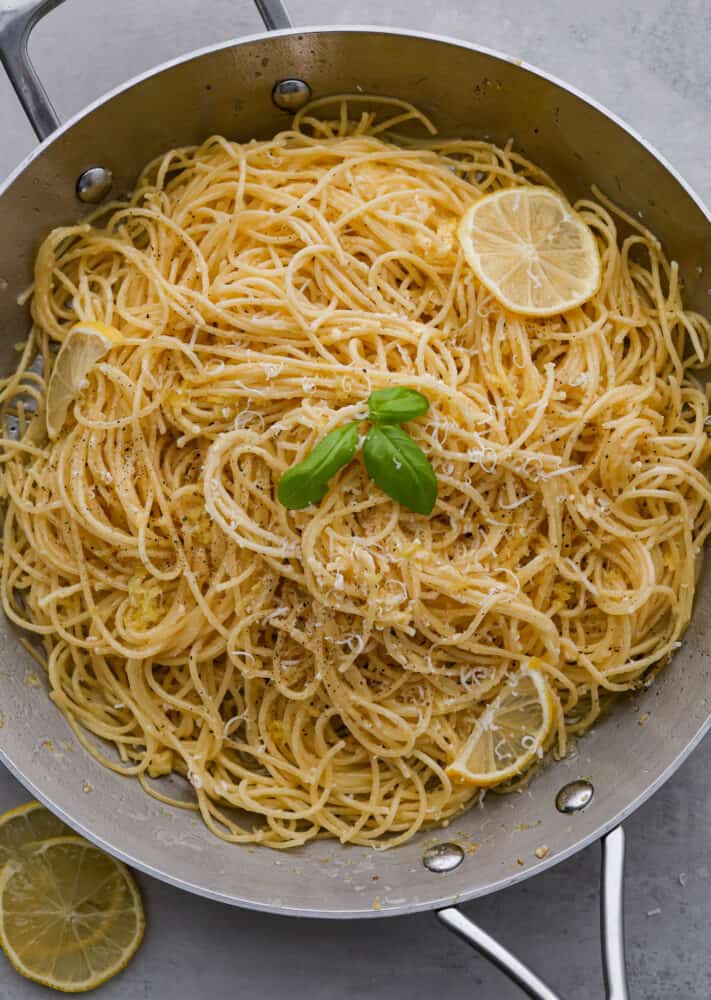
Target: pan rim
<point x="109" y="95"/>
<point x="365" y="912"/>
<point x="434" y="902"/>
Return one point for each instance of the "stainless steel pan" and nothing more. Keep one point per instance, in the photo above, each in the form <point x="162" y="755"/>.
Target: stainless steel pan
<point x="241" y="88"/>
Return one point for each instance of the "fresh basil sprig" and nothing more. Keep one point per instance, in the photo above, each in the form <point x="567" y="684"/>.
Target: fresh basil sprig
<point x="393" y="460"/>
<point x="397" y="464"/>
<point x="396" y="405"/>
<point x="307" y="482"/>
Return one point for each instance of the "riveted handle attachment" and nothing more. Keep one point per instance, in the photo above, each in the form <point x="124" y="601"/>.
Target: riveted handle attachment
<point x="612" y="927"/>
<point x="18" y="18"/>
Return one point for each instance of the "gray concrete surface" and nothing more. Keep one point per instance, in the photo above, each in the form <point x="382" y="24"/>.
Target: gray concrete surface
<point x="647" y="59"/>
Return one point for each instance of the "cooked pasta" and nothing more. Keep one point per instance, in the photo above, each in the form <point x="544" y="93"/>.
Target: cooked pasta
<point x="313" y="672"/>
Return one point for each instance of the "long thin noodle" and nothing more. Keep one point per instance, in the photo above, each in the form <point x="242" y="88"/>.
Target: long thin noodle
<point x="313" y="672"/>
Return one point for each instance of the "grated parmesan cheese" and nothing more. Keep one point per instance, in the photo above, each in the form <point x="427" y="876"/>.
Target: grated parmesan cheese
<point x="516" y="503"/>
<point x="560" y="472"/>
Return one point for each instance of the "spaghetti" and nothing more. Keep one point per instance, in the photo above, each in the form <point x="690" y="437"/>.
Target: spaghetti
<point x="313" y="672"/>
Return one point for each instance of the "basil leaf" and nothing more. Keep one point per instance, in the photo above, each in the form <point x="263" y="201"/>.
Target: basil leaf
<point x="307" y="482"/>
<point x="396" y="405"/>
<point x="400" y="468"/>
<point x="298" y="488"/>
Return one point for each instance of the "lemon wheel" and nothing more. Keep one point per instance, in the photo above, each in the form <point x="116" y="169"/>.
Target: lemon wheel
<point x="511" y="734"/>
<point x="23" y="827"/>
<point x="530" y="248"/>
<point x="86" y="343"/>
<point x="71" y="916"/>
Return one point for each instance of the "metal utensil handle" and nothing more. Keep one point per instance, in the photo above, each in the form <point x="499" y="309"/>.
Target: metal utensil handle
<point x="612" y="925"/>
<point x="274" y="14"/>
<point x="499" y="956"/>
<point x="18" y="18"/>
<point x="612" y="915"/>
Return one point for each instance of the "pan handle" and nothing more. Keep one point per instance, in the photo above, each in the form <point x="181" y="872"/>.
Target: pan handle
<point x="274" y="14"/>
<point x="612" y="914"/>
<point x="18" y="18"/>
<point x="612" y="928"/>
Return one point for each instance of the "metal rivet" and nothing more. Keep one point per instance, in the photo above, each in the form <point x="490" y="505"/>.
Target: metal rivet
<point x="443" y="858"/>
<point x="574" y="796"/>
<point x="93" y="184"/>
<point x="290" y="95"/>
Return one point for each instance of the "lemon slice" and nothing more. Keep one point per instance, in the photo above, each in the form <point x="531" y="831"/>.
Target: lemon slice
<point x="531" y="250"/>
<point x="511" y="734"/>
<point x="86" y="344"/>
<point x="21" y="828"/>
<point x="70" y="916"/>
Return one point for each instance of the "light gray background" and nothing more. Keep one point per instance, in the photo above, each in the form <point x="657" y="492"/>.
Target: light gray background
<point x="647" y="59"/>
